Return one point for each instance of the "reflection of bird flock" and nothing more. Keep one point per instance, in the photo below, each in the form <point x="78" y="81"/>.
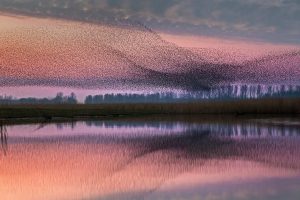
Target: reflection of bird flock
<point x="131" y="56"/>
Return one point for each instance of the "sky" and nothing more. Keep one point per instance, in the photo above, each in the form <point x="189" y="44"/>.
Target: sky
<point x="134" y="45"/>
<point x="272" y="20"/>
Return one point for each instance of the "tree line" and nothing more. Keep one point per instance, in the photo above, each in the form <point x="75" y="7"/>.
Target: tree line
<point x="218" y="93"/>
<point x="60" y="98"/>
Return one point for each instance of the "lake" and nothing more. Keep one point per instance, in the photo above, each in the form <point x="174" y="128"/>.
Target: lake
<point x="152" y="158"/>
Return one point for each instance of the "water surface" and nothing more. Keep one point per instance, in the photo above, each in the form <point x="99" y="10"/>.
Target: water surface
<point x="152" y="158"/>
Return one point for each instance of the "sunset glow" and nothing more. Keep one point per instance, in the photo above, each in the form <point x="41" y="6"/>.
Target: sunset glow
<point x="149" y="99"/>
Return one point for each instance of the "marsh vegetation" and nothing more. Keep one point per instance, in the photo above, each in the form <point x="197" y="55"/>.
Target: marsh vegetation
<point x="269" y="106"/>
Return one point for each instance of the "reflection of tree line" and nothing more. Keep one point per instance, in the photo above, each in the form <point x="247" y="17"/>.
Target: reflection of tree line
<point x="219" y="129"/>
<point x="3" y="138"/>
<point x="134" y="124"/>
<point x="61" y="126"/>
<point x="243" y="129"/>
<point x="252" y="130"/>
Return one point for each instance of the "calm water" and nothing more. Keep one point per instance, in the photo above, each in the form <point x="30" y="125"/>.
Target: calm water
<point x="154" y="158"/>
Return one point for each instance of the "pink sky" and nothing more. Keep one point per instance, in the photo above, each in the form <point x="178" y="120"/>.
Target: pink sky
<point x="61" y="49"/>
<point x="228" y="50"/>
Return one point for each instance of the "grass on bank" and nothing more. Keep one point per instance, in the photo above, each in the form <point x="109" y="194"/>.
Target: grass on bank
<point x="274" y="106"/>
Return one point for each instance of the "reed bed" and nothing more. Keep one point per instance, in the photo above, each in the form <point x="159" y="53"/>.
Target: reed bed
<point x="274" y="106"/>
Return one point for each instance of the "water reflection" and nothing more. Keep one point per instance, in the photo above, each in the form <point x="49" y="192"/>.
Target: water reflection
<point x="153" y="159"/>
<point x="240" y="129"/>
<point x="3" y="138"/>
<point x="60" y="126"/>
<point x="149" y="128"/>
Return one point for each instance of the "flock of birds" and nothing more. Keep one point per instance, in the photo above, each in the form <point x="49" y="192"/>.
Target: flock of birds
<point x="129" y="55"/>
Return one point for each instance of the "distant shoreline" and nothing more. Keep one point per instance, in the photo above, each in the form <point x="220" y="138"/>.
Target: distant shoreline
<point x="274" y="106"/>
